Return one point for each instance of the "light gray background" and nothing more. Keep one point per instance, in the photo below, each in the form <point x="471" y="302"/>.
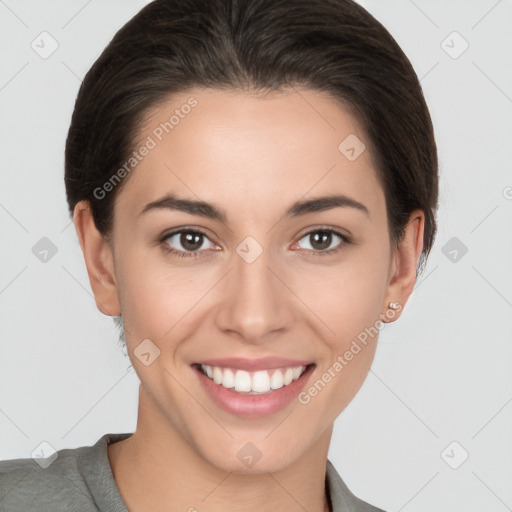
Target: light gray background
<point x="442" y="373"/>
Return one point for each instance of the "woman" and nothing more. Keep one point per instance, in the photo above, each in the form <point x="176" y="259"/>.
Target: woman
<point x="253" y="184"/>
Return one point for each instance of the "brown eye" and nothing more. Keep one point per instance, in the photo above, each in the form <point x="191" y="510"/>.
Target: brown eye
<point x="190" y="241"/>
<point x="185" y="242"/>
<point x="324" y="241"/>
<point x="321" y="240"/>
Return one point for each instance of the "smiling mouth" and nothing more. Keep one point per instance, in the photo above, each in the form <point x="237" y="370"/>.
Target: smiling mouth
<point x="259" y="382"/>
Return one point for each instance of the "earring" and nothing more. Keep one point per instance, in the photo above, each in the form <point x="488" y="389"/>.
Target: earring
<point x="394" y="305"/>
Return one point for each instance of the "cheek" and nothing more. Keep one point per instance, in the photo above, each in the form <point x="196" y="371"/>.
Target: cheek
<point x="141" y="297"/>
<point x="353" y="316"/>
<point x="156" y="295"/>
<point x="353" y="298"/>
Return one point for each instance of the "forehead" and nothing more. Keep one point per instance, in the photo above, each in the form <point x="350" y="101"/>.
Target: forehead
<point x="251" y="151"/>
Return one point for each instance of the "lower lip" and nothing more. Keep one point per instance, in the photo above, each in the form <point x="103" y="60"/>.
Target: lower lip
<point x="253" y="406"/>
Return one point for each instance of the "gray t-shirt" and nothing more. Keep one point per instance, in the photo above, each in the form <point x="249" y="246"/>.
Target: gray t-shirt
<point x="81" y="480"/>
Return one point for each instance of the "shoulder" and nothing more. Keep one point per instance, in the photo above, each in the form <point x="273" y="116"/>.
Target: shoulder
<point x="62" y="482"/>
<point x="342" y="499"/>
<point x="27" y="485"/>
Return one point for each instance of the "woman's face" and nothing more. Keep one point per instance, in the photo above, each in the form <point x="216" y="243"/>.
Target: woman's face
<point x="256" y="280"/>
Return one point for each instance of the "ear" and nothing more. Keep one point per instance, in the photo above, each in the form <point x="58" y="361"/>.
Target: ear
<point x="99" y="260"/>
<point x="404" y="263"/>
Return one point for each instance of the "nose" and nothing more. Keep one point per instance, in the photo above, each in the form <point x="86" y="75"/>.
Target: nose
<point x="256" y="304"/>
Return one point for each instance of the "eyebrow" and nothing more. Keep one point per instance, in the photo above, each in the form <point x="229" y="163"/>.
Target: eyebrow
<point x="207" y="210"/>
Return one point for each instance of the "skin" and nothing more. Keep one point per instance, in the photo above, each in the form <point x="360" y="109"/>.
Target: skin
<point x="251" y="155"/>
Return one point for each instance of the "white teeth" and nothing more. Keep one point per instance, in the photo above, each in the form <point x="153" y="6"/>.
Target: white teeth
<point x="217" y="375"/>
<point x="242" y="381"/>
<point x="297" y="372"/>
<point x="258" y="382"/>
<point x="288" y="376"/>
<point x="276" y="381"/>
<point x="261" y="382"/>
<point x="228" y="379"/>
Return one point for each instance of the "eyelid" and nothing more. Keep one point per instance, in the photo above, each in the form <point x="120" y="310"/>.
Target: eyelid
<point x="333" y="229"/>
<point x="189" y="229"/>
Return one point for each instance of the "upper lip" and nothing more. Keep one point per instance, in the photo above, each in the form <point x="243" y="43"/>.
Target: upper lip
<point x="265" y="363"/>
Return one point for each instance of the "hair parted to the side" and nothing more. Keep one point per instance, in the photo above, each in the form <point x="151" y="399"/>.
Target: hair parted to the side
<point x="333" y="46"/>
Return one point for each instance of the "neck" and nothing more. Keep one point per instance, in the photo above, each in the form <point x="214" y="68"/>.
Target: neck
<point x="156" y="469"/>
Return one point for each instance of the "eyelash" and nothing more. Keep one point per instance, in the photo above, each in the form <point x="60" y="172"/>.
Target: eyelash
<point x="195" y="254"/>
